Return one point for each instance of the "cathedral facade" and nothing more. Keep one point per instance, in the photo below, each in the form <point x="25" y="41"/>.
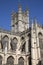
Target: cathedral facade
<point x="23" y="44"/>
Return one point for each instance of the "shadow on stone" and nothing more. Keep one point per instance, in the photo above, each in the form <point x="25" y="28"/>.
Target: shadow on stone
<point x="39" y="63"/>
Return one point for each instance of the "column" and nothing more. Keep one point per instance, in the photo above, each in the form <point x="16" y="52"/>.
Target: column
<point x="33" y="58"/>
<point x="5" y="55"/>
<point x="27" y="46"/>
<point x="0" y="45"/>
<point x="33" y="53"/>
<point x="37" y="41"/>
<point x="9" y="43"/>
<point x="36" y="54"/>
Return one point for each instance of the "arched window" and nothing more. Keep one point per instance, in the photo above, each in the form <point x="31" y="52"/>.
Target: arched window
<point x="21" y="61"/>
<point x="14" y="44"/>
<point x="10" y="60"/>
<point x="5" y="40"/>
<point x="40" y="40"/>
<point x="41" y="46"/>
<point x="0" y="60"/>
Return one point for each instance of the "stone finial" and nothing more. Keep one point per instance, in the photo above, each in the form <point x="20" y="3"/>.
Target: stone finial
<point x="35" y="20"/>
<point x="19" y="5"/>
<point x="27" y="11"/>
<point x="19" y="8"/>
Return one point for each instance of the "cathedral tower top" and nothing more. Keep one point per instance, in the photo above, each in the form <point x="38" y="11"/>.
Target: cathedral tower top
<point x="20" y="20"/>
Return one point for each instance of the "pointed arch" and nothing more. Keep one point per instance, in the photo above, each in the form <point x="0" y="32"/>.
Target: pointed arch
<point x="21" y="61"/>
<point x="40" y="40"/>
<point x="6" y="36"/>
<point x="39" y="34"/>
<point x="41" y="45"/>
<point x="13" y="44"/>
<point x="10" y="60"/>
<point x="0" y="60"/>
<point x="5" y="41"/>
<point x="15" y="38"/>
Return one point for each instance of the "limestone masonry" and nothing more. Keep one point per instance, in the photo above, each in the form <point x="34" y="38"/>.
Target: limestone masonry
<point x="23" y="44"/>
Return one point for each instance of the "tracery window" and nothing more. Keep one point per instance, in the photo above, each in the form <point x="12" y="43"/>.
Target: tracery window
<point x="41" y="43"/>
<point x="0" y="60"/>
<point x="21" y="61"/>
<point x="5" y="42"/>
<point x="10" y="60"/>
<point x="14" y="44"/>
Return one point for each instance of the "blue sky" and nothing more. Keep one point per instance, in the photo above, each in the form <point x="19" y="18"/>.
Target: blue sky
<point x="6" y="6"/>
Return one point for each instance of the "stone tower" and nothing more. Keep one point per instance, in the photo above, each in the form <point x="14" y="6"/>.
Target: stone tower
<point x="20" y="20"/>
